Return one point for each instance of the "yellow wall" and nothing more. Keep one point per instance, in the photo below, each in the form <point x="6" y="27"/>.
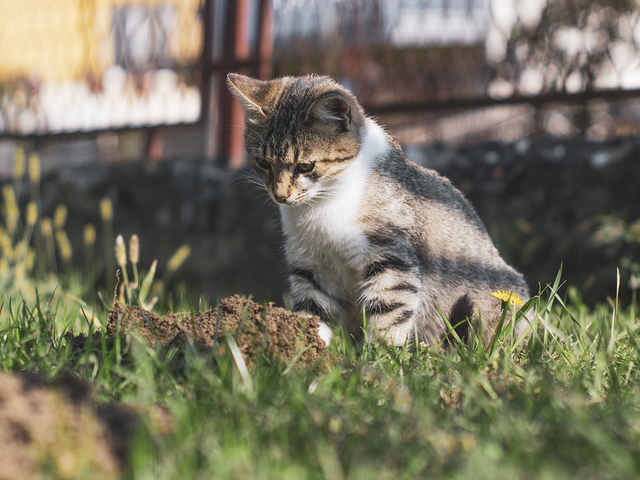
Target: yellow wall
<point x="66" y="39"/>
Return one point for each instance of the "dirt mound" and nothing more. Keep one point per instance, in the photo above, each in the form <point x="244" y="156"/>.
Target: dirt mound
<point x="56" y="428"/>
<point x="273" y="331"/>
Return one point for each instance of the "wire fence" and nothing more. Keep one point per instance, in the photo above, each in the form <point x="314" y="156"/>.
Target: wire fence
<point x="448" y="71"/>
<point x="84" y="65"/>
<point x="526" y="67"/>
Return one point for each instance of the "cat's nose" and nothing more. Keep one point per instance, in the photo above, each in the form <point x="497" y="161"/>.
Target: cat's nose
<point x="281" y="199"/>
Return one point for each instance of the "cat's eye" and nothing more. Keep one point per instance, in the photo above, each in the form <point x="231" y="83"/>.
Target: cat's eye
<point x="262" y="164"/>
<point x="305" y="167"/>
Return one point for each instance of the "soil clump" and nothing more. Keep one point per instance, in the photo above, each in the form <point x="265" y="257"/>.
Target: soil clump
<point x="277" y="333"/>
<point x="55" y="427"/>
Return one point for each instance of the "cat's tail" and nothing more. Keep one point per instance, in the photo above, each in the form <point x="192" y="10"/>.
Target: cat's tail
<point x="462" y="313"/>
<point x="459" y="318"/>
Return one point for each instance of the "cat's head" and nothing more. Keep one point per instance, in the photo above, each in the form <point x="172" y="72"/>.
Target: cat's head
<point x="301" y="133"/>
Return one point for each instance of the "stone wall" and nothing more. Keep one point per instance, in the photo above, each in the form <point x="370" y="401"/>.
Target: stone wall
<point x="540" y="199"/>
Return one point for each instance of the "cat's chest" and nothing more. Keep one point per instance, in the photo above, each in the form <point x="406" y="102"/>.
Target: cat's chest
<point x="326" y="234"/>
<point x="329" y="229"/>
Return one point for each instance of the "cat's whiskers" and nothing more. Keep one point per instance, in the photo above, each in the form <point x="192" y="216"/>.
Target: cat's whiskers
<point x="255" y="136"/>
<point x="252" y="179"/>
<point x="245" y="176"/>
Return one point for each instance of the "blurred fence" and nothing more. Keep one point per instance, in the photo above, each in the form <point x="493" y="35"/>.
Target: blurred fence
<point x="472" y="70"/>
<point x="105" y="80"/>
<point x="69" y="65"/>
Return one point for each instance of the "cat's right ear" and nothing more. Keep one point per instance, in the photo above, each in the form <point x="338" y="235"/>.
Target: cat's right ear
<point x="331" y="108"/>
<point x="249" y="92"/>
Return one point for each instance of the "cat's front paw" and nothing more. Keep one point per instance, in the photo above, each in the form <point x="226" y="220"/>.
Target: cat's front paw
<point x="325" y="333"/>
<point x="324" y="330"/>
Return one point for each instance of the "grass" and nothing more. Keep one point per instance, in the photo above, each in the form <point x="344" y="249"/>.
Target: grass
<point x="562" y="403"/>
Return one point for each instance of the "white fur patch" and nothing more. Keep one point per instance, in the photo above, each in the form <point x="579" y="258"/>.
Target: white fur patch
<point x="326" y="227"/>
<point x="325" y="333"/>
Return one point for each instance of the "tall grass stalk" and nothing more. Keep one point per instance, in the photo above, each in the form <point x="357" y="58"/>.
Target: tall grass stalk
<point x="121" y="258"/>
<point x="34" y="182"/>
<point x="175" y="262"/>
<point x="19" y="168"/>
<point x="89" y="247"/>
<point x="50" y="247"/>
<point x="106" y="213"/>
<point x="134" y="257"/>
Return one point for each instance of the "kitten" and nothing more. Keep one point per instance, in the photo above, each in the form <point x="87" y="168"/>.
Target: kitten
<point x="366" y="229"/>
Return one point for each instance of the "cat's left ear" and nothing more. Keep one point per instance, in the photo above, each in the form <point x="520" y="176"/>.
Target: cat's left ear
<point x="331" y="108"/>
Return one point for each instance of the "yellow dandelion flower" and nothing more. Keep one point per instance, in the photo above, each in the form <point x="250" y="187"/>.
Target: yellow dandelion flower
<point x="178" y="258"/>
<point x="106" y="208"/>
<point x="60" y="217"/>
<point x="507" y="296"/>
<point x="19" y="163"/>
<point x="121" y="252"/>
<point x="32" y="213"/>
<point x="4" y="266"/>
<point x="89" y="234"/>
<point x="134" y="249"/>
<point x="34" y="167"/>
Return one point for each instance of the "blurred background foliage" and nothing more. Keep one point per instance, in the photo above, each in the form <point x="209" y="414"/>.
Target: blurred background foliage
<point x="93" y="86"/>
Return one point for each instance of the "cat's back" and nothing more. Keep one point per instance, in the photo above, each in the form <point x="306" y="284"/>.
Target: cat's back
<point x="403" y="196"/>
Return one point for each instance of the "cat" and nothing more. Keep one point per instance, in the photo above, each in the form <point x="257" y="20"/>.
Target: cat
<point x="367" y="231"/>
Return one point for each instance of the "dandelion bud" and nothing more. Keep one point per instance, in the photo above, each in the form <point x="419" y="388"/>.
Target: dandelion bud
<point x="178" y="258"/>
<point x="47" y="229"/>
<point x="89" y="234"/>
<point x="60" y="217"/>
<point x="32" y="213"/>
<point x="106" y="208"/>
<point x="64" y="245"/>
<point x="121" y="253"/>
<point x="19" y="163"/>
<point x="134" y="249"/>
<point x="34" y="168"/>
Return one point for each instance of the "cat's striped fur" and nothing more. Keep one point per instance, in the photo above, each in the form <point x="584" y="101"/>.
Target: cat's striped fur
<point x="365" y="228"/>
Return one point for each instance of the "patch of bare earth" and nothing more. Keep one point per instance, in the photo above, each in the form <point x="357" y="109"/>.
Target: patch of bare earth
<point x="257" y="329"/>
<point x="57" y="428"/>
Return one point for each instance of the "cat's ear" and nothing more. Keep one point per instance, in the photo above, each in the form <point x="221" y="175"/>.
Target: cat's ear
<point x="251" y="93"/>
<point x="331" y="108"/>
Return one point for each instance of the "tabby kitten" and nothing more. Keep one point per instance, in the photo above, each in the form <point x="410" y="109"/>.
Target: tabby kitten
<point x="365" y="228"/>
